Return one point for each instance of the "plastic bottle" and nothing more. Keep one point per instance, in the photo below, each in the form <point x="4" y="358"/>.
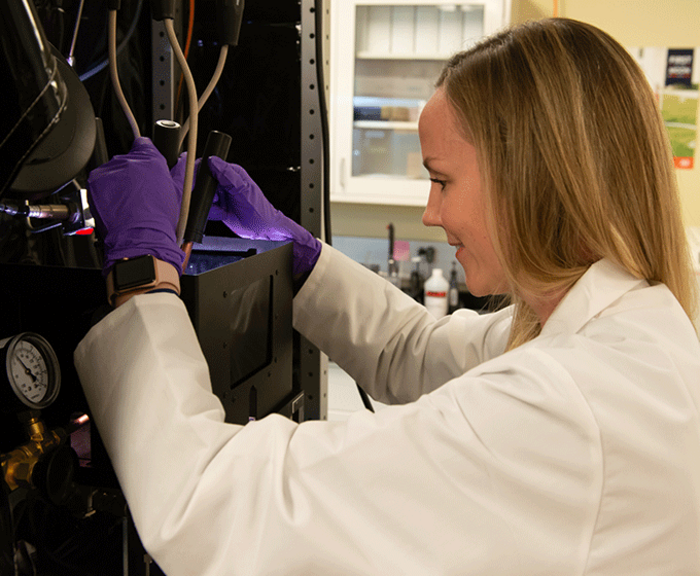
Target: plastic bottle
<point x="453" y="294"/>
<point x="436" y="288"/>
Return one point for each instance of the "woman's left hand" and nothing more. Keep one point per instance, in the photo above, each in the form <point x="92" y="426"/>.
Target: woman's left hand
<point x="136" y="206"/>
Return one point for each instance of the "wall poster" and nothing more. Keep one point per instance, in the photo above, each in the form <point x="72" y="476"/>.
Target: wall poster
<point x="674" y="74"/>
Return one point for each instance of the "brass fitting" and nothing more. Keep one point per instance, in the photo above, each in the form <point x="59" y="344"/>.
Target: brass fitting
<point x="18" y="465"/>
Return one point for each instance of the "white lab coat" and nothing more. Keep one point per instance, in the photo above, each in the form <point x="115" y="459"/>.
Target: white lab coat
<point x="576" y="453"/>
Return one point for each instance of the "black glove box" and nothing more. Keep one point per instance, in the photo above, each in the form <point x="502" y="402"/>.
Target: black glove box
<point x="239" y="296"/>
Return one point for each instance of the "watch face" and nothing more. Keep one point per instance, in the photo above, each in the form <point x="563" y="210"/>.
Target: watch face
<point x="132" y="273"/>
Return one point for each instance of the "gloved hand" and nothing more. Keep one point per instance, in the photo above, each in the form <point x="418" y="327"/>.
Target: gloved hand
<point x="136" y="206"/>
<point x="241" y="205"/>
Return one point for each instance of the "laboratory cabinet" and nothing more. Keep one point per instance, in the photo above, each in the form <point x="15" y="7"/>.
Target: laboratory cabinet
<point x="385" y="59"/>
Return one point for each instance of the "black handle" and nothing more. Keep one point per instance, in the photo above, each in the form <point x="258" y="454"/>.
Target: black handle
<point x="229" y="15"/>
<point x="162" y="9"/>
<point x="166" y="137"/>
<point x="217" y="144"/>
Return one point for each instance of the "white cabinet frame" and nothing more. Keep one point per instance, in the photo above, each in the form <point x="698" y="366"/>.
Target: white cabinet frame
<point x="391" y="190"/>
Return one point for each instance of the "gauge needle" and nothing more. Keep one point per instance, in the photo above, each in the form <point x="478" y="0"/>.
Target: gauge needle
<point x="27" y="370"/>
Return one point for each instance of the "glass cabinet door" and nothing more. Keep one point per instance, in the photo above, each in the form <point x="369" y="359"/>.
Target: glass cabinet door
<point x="386" y="61"/>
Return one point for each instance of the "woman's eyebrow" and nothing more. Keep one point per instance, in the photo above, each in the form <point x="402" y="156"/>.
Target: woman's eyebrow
<point x="429" y="164"/>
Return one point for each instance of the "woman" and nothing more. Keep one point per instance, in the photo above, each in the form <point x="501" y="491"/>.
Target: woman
<point x="558" y="436"/>
<point x="576" y="159"/>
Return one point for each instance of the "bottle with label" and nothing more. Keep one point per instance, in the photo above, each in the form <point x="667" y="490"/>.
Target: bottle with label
<point x="453" y="294"/>
<point x="435" y="290"/>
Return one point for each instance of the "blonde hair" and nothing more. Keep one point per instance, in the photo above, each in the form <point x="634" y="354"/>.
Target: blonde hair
<point x="576" y="160"/>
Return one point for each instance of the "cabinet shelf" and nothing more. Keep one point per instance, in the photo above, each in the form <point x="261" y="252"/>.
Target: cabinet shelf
<point x="385" y="125"/>
<point x="388" y="56"/>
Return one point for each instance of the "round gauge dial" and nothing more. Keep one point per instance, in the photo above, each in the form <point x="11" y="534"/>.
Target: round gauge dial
<point x="31" y="369"/>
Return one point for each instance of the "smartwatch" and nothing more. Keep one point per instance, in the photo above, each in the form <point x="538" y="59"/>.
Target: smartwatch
<point x="133" y="276"/>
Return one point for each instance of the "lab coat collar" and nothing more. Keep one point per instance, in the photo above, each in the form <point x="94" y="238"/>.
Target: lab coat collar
<point x="601" y="285"/>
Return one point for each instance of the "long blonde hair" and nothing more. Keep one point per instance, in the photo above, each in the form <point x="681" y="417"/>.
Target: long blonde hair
<point x="575" y="157"/>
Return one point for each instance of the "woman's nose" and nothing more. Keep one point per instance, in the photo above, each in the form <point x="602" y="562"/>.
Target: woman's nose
<point x="431" y="215"/>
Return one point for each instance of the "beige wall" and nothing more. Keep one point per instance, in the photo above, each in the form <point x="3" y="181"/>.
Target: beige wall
<point x="672" y="23"/>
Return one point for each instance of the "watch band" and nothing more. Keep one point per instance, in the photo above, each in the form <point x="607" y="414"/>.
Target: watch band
<point x="133" y="276"/>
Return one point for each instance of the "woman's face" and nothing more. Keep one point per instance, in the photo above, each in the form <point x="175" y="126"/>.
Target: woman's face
<point x="457" y="202"/>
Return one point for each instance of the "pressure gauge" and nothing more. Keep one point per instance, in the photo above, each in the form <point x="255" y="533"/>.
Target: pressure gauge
<point x="30" y="367"/>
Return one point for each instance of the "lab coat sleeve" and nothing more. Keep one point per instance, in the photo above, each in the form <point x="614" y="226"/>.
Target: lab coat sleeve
<point x="498" y="473"/>
<point x="389" y="343"/>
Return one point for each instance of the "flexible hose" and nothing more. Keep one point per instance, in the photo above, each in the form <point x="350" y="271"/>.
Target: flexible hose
<point x="223" y="54"/>
<point x="186" y="52"/>
<point x="192" y="135"/>
<point x="112" y="42"/>
<point x="130" y="32"/>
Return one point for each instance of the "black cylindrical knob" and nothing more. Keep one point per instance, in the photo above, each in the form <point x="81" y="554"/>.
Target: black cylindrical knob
<point x="229" y="16"/>
<point x="162" y="9"/>
<point x="166" y="137"/>
<point x="217" y="144"/>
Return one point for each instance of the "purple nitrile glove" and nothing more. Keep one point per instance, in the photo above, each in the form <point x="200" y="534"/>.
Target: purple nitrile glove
<point x="136" y="206"/>
<point x="240" y="204"/>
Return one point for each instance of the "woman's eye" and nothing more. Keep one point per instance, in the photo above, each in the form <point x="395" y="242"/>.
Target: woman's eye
<point x="442" y="183"/>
